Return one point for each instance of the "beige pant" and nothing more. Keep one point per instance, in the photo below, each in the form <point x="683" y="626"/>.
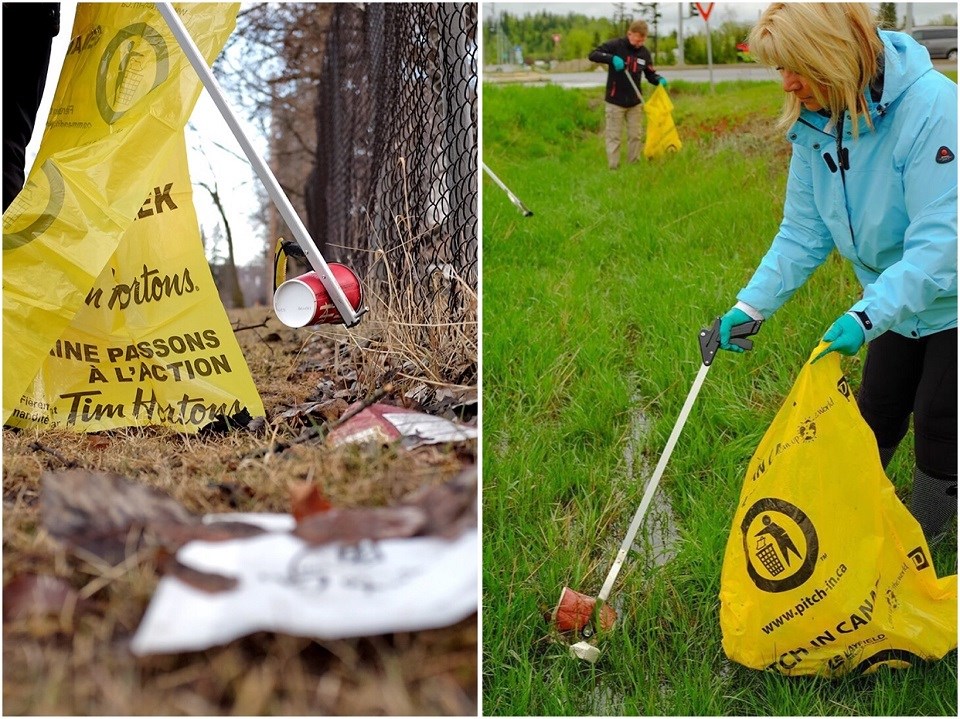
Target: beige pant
<point x="617" y="117"/>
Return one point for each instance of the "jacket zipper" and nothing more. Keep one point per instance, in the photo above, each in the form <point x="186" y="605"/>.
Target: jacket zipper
<point x="844" y="166"/>
<point x="843" y="160"/>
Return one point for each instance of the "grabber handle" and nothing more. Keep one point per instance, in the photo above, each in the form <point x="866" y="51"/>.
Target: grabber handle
<point x="710" y="338"/>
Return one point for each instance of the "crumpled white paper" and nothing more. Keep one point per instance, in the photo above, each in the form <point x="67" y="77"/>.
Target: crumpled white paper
<point x="386" y="423"/>
<point x="325" y="592"/>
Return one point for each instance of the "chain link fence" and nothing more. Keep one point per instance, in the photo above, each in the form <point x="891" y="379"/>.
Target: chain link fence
<point x="393" y="193"/>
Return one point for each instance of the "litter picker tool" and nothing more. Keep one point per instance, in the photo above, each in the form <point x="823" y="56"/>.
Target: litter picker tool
<point x="587" y="614"/>
<point x="634" y="85"/>
<point x="346" y="311"/>
<point x="513" y="198"/>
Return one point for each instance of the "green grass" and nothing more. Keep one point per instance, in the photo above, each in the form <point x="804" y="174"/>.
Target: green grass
<point x="591" y="310"/>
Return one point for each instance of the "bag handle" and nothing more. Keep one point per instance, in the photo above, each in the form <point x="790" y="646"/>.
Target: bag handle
<point x="284" y="249"/>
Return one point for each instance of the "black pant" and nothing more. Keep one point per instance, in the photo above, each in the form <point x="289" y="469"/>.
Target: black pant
<point x="28" y="32"/>
<point x="919" y="376"/>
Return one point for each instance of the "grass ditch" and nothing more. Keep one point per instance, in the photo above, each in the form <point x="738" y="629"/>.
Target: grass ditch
<point x="77" y="661"/>
<point x="590" y="314"/>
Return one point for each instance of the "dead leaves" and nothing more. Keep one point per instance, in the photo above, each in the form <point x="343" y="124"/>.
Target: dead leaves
<point x="352" y="526"/>
<point x="29" y="596"/>
<point x="444" y="510"/>
<point x="306" y="499"/>
<point x="329" y="410"/>
<point x="451" y="507"/>
<point x="102" y="512"/>
<point x="112" y="517"/>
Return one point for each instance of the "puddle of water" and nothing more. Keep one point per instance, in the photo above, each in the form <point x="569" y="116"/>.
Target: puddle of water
<point x="656" y="544"/>
<point x="604" y="701"/>
<point x="639" y="427"/>
<point x="502" y="444"/>
<point x="657" y="540"/>
<point x="725" y="672"/>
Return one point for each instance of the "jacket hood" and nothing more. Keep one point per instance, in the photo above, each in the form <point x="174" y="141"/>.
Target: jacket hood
<point x="904" y="61"/>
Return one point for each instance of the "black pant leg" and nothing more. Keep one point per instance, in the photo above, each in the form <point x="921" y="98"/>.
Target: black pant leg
<point x="935" y="407"/>
<point x="28" y="31"/>
<point x="891" y="374"/>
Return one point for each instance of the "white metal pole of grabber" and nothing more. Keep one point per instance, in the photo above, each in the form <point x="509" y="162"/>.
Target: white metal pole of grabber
<point x="633" y="85"/>
<point x="513" y="198"/>
<point x="709" y="345"/>
<point x="276" y="193"/>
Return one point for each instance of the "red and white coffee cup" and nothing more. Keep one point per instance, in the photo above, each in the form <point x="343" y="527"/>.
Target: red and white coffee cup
<point x="304" y="301"/>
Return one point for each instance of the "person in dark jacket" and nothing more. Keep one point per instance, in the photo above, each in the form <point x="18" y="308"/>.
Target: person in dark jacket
<point x="28" y="32"/>
<point x="624" y="106"/>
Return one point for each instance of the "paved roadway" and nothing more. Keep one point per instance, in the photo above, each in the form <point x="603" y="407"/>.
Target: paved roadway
<point x="692" y="73"/>
<point x="721" y="73"/>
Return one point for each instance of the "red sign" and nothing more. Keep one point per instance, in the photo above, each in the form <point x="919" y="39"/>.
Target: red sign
<point x="704" y="8"/>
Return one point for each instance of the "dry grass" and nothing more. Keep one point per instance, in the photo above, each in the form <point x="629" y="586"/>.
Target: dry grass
<point x="77" y="661"/>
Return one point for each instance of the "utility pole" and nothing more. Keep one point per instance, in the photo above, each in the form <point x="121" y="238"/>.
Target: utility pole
<point x="620" y="16"/>
<point x="650" y="9"/>
<point x="909" y="20"/>
<point x="680" y="33"/>
<point x="501" y="53"/>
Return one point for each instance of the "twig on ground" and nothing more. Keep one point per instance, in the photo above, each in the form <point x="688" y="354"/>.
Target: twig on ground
<point x="238" y="328"/>
<point x="67" y="463"/>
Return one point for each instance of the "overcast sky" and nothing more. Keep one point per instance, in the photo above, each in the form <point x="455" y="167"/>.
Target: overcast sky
<point x="923" y="12"/>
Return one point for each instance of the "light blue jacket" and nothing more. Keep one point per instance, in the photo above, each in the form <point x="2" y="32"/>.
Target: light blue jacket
<point x="892" y="213"/>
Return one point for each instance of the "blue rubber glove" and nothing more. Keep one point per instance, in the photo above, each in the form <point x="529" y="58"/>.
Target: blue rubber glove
<point x="733" y="318"/>
<point x="663" y="83"/>
<point x="845" y="336"/>
<point x="617" y="63"/>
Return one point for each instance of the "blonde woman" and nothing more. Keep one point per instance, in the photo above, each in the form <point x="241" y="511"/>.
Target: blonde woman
<point x="873" y="174"/>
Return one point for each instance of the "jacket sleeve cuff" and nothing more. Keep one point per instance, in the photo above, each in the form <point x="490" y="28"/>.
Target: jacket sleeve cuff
<point x="858" y="312"/>
<point x="752" y="312"/>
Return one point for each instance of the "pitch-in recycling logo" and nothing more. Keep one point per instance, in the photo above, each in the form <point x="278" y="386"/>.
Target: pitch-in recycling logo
<point x="124" y="76"/>
<point x="133" y="63"/>
<point x="780" y="545"/>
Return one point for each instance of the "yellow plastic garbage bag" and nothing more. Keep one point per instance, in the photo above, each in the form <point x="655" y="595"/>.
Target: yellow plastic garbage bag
<point x="662" y="135"/>
<point x="826" y="572"/>
<point x="110" y="314"/>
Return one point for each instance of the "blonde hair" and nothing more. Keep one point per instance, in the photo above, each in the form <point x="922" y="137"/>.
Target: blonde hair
<point x="640" y="27"/>
<point x="834" y="45"/>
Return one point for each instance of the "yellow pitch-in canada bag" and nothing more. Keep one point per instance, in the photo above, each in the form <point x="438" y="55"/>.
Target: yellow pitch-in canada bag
<point x="110" y="314"/>
<point x="662" y="135"/>
<point x="825" y="571"/>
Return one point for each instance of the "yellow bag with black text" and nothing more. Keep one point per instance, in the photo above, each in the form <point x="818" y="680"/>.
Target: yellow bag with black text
<point x="110" y="314"/>
<point x="826" y="572"/>
<point x="662" y="135"/>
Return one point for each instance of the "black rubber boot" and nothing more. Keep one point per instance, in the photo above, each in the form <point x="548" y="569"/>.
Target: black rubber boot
<point x="933" y="502"/>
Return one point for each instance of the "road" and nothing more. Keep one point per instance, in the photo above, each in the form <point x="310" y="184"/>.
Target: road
<point x="721" y="73"/>
<point x="691" y="73"/>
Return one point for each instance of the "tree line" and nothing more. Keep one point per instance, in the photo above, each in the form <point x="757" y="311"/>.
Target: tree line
<point x="550" y="37"/>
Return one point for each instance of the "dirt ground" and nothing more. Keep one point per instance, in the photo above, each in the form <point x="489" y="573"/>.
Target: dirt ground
<point x="68" y="618"/>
